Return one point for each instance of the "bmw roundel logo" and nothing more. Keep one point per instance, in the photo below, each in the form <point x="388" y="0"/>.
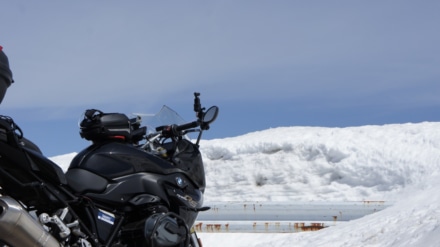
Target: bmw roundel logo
<point x="179" y="181"/>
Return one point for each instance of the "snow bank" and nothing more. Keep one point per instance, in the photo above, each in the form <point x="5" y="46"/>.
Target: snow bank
<point x="312" y="163"/>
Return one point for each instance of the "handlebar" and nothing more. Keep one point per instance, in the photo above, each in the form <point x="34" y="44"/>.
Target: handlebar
<point x="174" y="129"/>
<point x="186" y="126"/>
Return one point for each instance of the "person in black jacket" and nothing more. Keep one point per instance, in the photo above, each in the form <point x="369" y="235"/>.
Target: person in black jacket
<point x="5" y="74"/>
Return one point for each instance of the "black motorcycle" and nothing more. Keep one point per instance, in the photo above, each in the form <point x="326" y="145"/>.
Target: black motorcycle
<point x="131" y="187"/>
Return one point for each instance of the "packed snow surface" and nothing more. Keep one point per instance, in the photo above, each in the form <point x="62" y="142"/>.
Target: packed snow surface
<point x="397" y="163"/>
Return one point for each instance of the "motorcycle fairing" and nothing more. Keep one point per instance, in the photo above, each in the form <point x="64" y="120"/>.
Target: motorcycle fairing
<point x="187" y="157"/>
<point x="137" y="189"/>
<point x="121" y="190"/>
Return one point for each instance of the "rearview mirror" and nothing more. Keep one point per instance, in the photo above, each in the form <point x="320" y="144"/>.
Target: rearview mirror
<point x="210" y="115"/>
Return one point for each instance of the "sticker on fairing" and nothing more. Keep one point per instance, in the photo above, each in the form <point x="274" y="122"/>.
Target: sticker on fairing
<point x="106" y="216"/>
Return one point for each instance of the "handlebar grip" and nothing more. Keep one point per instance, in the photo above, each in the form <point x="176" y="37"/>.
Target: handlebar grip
<point x="187" y="126"/>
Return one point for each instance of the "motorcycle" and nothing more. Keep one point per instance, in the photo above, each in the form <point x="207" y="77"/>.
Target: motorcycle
<point x="133" y="186"/>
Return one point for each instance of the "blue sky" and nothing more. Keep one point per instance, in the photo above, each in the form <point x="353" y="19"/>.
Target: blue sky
<point x="264" y="63"/>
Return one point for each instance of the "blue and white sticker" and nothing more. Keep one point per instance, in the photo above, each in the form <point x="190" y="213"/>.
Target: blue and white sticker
<point x="106" y="216"/>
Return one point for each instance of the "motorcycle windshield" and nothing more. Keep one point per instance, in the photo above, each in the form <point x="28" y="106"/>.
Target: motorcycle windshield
<point x="166" y="116"/>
